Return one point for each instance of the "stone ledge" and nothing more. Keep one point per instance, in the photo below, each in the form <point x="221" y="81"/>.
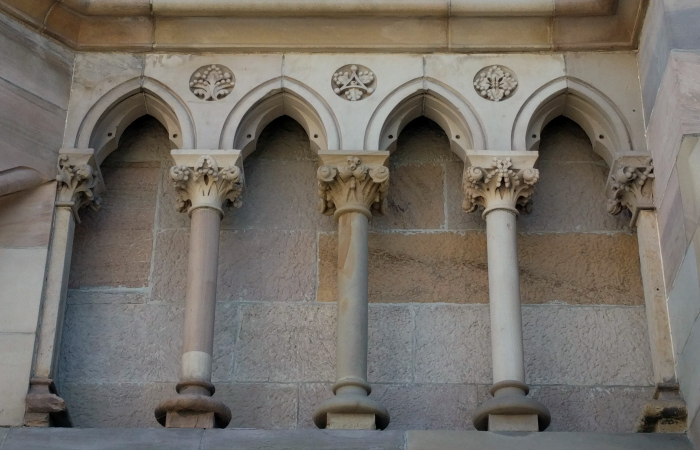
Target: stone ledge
<point x="186" y="439"/>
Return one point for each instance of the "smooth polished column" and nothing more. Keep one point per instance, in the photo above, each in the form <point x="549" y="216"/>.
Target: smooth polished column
<point x="351" y="185"/>
<point x="502" y="183"/>
<point x="79" y="180"/>
<point x="204" y="190"/>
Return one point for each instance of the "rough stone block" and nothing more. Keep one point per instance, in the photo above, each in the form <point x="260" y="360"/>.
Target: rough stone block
<point x="571" y="197"/>
<point x="26" y="217"/>
<point x="225" y="335"/>
<point x="283" y="139"/>
<point x="415" y="199"/>
<point x="586" y="345"/>
<point x="254" y="265"/>
<point x="22" y="273"/>
<point x="452" y="344"/>
<point x="432" y="267"/>
<point x="579" y="268"/>
<point x="168" y="215"/>
<point x="16" y="351"/>
<point x="285" y="343"/>
<point x="268" y="406"/>
<point x="302" y="440"/>
<point x="145" y="140"/>
<point x="390" y="344"/>
<point x="78" y="297"/>
<point x="422" y="141"/>
<point x="457" y="219"/>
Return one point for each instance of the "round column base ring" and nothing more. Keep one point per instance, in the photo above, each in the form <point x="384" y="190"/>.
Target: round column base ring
<point x="352" y="404"/>
<point x="510" y="405"/>
<point x="195" y="403"/>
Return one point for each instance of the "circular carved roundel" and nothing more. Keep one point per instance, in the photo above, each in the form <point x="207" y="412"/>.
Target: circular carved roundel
<point x="354" y="82"/>
<point x="495" y="83"/>
<point x="212" y="82"/>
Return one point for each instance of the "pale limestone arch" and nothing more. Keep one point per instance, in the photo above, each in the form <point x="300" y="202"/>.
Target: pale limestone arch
<point x="596" y="114"/>
<point x="107" y="119"/>
<point x="273" y="99"/>
<point x="429" y="98"/>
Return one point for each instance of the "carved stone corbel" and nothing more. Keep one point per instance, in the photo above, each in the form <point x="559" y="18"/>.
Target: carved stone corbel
<point x="631" y="186"/>
<point x="79" y="181"/>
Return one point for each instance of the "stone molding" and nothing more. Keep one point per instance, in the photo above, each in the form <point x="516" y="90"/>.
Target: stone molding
<point x="207" y="179"/>
<point x="381" y="26"/>
<point x="631" y="186"/>
<point x="499" y="180"/>
<point x="352" y="181"/>
<point x="79" y="180"/>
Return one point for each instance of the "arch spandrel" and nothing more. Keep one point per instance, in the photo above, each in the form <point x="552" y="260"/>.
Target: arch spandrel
<point x="429" y="98"/>
<point x="107" y="119"/>
<point x="273" y="99"/>
<point x="596" y="114"/>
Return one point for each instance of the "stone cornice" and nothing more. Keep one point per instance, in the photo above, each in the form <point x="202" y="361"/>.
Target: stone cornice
<point x="631" y="185"/>
<point x="352" y="182"/>
<point x="79" y="180"/>
<point x="354" y="25"/>
<point x="499" y="180"/>
<point x="207" y="179"/>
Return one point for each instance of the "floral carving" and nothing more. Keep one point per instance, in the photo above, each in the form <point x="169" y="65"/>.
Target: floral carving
<point x="76" y="186"/>
<point x="353" y="185"/>
<point x="354" y="82"/>
<point x="500" y="186"/>
<point x="206" y="185"/>
<point x="632" y="188"/>
<point x="495" y="83"/>
<point x="212" y="82"/>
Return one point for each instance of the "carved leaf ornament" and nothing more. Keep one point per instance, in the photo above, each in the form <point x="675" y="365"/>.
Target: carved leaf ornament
<point x="212" y="82"/>
<point x="353" y="82"/>
<point x="352" y="184"/>
<point x="76" y="186"/>
<point x="631" y="189"/>
<point x="495" y="83"/>
<point x="499" y="185"/>
<point x="207" y="185"/>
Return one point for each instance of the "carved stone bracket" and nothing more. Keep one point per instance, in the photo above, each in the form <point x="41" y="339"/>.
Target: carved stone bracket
<point x="207" y="179"/>
<point x="356" y="181"/>
<point x="499" y="181"/>
<point x="79" y="180"/>
<point x="631" y="185"/>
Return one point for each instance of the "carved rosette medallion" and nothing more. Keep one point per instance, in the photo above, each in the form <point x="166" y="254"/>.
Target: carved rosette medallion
<point x="495" y="83"/>
<point x="212" y="82"/>
<point x="76" y="186"/>
<point x="500" y="186"/>
<point x="352" y="187"/>
<point x="354" y="82"/>
<point x="632" y="187"/>
<point x="207" y="186"/>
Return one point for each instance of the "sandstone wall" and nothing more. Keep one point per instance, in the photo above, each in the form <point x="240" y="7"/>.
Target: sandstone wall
<point x="586" y="345"/>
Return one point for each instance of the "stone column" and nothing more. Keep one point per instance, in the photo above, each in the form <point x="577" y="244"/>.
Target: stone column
<point x="351" y="185"/>
<point x="501" y="183"/>
<point x="206" y="181"/>
<point x="79" y="180"/>
<point x="631" y="186"/>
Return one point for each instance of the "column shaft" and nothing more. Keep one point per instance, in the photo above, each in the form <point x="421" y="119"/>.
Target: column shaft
<point x="352" y="301"/>
<point x="504" y="296"/>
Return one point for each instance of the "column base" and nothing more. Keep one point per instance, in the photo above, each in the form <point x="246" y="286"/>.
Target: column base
<point x="666" y="412"/>
<point x="193" y="408"/>
<point x="43" y="406"/>
<point x="509" y="402"/>
<point x="342" y="411"/>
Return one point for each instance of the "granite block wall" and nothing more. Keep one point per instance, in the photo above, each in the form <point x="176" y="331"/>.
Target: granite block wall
<point x="586" y="345"/>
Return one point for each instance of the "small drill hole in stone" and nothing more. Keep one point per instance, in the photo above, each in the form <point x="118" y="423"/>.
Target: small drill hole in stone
<point x="601" y="137"/>
<point x="534" y="136"/>
<point x="457" y="137"/>
<point x="391" y="136"/>
<point x="109" y="134"/>
<point x="315" y="136"/>
<point x="249" y="136"/>
<point x="175" y="136"/>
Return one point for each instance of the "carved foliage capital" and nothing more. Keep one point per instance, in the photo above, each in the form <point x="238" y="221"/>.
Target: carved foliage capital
<point x="499" y="186"/>
<point x="352" y="186"/>
<point x="631" y="187"/>
<point x="77" y="184"/>
<point x="205" y="185"/>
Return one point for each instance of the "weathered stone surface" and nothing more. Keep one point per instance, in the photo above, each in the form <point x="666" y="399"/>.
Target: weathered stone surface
<point x="26" y="217"/>
<point x="415" y="199"/>
<point x="586" y="345"/>
<point x="672" y="233"/>
<point x="431" y="267"/>
<point x="78" y="297"/>
<point x="451" y="268"/>
<point x="136" y="343"/>
<point x="145" y="140"/>
<point x="563" y="140"/>
<point x="254" y="265"/>
<point x="457" y="219"/>
<point x="580" y="269"/>
<point x="422" y="141"/>
<point x="687" y="364"/>
<point x="390" y="344"/>
<point x="452" y="344"/>
<point x="285" y="343"/>
<point x="412" y="406"/>
<point x="283" y="139"/>
<point x="98" y="439"/>
<point x="302" y="440"/>
<point x="115" y="405"/>
<point x="593" y="409"/>
<point x="269" y="406"/>
<point x="16" y="350"/>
